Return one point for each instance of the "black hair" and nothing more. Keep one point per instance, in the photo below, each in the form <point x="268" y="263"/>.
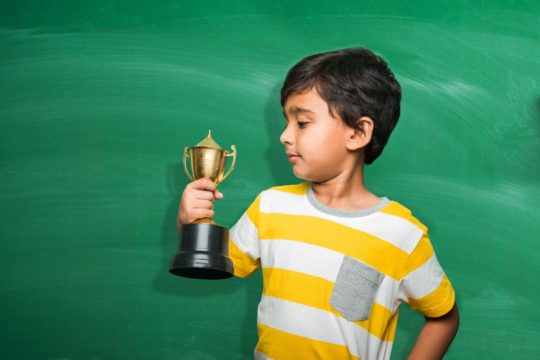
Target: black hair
<point x="354" y="83"/>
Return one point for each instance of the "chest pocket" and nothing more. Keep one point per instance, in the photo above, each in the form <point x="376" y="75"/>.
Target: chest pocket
<point x="355" y="289"/>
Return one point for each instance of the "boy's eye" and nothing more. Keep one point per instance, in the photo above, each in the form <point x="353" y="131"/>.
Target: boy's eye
<point x="301" y="125"/>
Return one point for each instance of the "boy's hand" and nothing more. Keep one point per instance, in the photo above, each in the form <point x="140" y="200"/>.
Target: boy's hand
<point x="197" y="201"/>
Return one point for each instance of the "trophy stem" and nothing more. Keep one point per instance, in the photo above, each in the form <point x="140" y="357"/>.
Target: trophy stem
<point x="204" y="221"/>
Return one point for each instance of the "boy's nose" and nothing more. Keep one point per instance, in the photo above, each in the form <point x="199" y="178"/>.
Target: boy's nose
<point x="285" y="137"/>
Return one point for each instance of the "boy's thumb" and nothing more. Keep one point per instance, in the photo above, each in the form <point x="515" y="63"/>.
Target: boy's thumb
<point x="218" y="195"/>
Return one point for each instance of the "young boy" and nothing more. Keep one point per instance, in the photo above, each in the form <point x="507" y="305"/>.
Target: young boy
<point x="337" y="260"/>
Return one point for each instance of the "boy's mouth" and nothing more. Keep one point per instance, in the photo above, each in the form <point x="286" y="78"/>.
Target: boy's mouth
<point x="292" y="157"/>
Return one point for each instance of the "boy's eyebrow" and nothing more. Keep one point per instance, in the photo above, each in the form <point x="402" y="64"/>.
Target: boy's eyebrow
<point x="295" y="110"/>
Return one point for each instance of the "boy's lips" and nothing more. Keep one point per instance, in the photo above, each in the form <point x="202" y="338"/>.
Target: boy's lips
<point x="292" y="157"/>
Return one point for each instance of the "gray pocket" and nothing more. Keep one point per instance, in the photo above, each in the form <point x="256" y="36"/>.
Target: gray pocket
<point x="355" y="289"/>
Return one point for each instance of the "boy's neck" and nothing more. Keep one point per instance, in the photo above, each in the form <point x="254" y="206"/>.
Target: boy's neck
<point x="346" y="191"/>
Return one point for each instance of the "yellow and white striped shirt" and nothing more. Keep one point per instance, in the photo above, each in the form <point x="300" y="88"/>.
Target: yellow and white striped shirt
<point x="333" y="280"/>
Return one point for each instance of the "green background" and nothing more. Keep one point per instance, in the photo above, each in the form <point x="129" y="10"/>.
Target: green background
<point x="99" y="98"/>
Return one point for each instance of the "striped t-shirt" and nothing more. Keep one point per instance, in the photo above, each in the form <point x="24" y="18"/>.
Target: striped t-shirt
<point x="333" y="279"/>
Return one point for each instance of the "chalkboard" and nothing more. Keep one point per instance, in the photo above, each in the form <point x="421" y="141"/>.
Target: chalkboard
<point x="98" y="100"/>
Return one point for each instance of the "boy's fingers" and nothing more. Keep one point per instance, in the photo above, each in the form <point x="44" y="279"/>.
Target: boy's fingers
<point x="218" y="195"/>
<point x="204" y="204"/>
<point x="203" y="195"/>
<point x="201" y="214"/>
<point x="203" y="184"/>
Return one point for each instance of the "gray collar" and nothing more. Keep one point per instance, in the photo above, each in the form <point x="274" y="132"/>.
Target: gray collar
<point x="345" y="213"/>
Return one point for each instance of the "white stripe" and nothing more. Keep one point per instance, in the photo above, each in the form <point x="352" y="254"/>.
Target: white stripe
<point x="392" y="229"/>
<point x="307" y="322"/>
<point x="245" y="236"/>
<point x="387" y="294"/>
<point x="320" y="325"/>
<point x="422" y="281"/>
<point x="385" y="351"/>
<point x="301" y="257"/>
<point x="318" y="261"/>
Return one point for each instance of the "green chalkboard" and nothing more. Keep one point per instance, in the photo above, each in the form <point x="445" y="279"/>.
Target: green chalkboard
<point x="98" y="100"/>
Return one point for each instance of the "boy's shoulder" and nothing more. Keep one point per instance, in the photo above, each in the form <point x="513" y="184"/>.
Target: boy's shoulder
<point x="393" y="208"/>
<point x="277" y="192"/>
<point x="299" y="189"/>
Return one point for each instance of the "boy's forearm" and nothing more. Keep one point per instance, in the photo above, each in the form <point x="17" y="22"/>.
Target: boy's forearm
<point x="436" y="336"/>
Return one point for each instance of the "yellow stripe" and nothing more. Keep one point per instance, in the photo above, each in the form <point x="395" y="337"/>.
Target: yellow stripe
<point x="298" y="189"/>
<point x="401" y="211"/>
<point x="243" y="264"/>
<point x="391" y="328"/>
<point x="437" y="303"/>
<point x="424" y="249"/>
<point x="422" y="253"/>
<point x="380" y="323"/>
<point x="315" y="292"/>
<point x="379" y="254"/>
<point x="279" y="345"/>
<point x="253" y="211"/>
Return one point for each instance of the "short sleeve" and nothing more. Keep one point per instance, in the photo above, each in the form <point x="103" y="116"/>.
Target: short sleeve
<point x="425" y="286"/>
<point x="244" y="241"/>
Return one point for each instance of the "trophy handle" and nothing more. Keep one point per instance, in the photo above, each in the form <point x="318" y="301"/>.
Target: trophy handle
<point x="184" y="158"/>
<point x="233" y="154"/>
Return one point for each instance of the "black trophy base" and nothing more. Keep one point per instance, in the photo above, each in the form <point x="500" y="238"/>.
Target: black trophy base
<point x="203" y="254"/>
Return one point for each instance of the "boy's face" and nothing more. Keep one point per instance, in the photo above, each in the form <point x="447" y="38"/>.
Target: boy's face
<point x="316" y="143"/>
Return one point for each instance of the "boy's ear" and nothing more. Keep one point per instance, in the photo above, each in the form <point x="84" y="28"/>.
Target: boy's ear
<point x="361" y="135"/>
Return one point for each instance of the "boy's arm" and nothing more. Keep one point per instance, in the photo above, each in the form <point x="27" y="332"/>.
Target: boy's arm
<point x="198" y="202"/>
<point x="427" y="289"/>
<point x="435" y="336"/>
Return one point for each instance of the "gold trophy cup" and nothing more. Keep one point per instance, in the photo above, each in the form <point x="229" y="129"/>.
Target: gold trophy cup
<point x="204" y="245"/>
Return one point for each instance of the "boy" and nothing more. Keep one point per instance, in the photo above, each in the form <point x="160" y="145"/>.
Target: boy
<point x="337" y="260"/>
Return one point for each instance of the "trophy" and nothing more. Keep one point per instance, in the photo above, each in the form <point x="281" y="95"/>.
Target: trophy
<point x="204" y="245"/>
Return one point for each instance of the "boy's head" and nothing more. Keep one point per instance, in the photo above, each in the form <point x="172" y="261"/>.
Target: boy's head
<point x="354" y="83"/>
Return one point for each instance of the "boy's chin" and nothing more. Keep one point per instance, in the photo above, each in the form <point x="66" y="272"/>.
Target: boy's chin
<point x="302" y="176"/>
<point x="299" y="176"/>
<point x="309" y="177"/>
